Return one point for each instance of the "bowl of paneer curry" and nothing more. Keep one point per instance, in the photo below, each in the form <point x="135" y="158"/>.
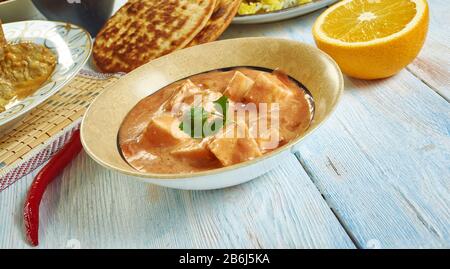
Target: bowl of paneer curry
<point x="214" y="115"/>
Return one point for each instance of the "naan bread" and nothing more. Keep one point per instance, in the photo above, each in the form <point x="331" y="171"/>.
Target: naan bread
<point x="143" y="30"/>
<point x="224" y="13"/>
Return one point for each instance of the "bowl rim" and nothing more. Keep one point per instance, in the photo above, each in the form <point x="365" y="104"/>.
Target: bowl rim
<point x="63" y="83"/>
<point x="182" y="176"/>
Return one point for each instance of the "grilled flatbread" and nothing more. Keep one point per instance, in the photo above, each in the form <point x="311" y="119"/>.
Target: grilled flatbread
<point x="143" y="30"/>
<point x="224" y="13"/>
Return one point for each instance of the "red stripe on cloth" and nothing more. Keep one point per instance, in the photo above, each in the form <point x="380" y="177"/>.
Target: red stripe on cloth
<point x="36" y="160"/>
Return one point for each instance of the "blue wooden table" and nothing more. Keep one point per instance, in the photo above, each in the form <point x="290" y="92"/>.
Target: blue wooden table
<point x="376" y="175"/>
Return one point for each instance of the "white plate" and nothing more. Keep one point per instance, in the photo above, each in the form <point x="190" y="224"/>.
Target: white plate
<point x="283" y="14"/>
<point x="71" y="44"/>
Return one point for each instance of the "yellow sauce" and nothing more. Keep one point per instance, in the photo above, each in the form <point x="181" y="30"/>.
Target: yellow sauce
<point x="24" y="67"/>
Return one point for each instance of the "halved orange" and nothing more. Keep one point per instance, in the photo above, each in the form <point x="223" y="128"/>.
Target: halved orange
<point x="372" y="39"/>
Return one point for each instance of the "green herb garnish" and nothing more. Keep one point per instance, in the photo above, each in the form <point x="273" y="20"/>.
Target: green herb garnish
<point x="222" y="105"/>
<point x="194" y="119"/>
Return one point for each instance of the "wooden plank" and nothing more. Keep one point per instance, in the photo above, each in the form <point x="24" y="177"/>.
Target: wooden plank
<point x="382" y="163"/>
<point x="433" y="63"/>
<point x="102" y="209"/>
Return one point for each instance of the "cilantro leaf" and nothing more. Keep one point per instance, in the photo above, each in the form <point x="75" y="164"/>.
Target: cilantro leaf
<point x="222" y="105"/>
<point x="198" y="115"/>
<point x="193" y="121"/>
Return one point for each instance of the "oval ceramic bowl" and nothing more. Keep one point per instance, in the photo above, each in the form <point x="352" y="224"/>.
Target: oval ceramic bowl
<point x="71" y="44"/>
<point x="283" y="14"/>
<point x="312" y="67"/>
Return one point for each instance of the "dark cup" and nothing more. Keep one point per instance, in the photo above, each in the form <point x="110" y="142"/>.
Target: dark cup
<point x="90" y="14"/>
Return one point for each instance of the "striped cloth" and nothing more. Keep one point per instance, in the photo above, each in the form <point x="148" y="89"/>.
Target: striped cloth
<point x="37" y="157"/>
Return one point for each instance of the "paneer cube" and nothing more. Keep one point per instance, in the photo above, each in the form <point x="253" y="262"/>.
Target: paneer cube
<point x="234" y="145"/>
<point x="192" y="149"/>
<point x="195" y="152"/>
<point x="267" y="89"/>
<point x="163" y="130"/>
<point x="238" y="87"/>
<point x="268" y="139"/>
<point x="190" y="95"/>
<point x="184" y="96"/>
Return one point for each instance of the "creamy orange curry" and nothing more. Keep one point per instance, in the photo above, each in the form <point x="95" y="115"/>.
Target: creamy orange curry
<point x="213" y="120"/>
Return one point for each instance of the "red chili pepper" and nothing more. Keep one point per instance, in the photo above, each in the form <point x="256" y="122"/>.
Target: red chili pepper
<point x="50" y="171"/>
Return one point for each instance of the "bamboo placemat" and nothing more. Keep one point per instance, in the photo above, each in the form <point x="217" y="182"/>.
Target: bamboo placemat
<point x="48" y="127"/>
